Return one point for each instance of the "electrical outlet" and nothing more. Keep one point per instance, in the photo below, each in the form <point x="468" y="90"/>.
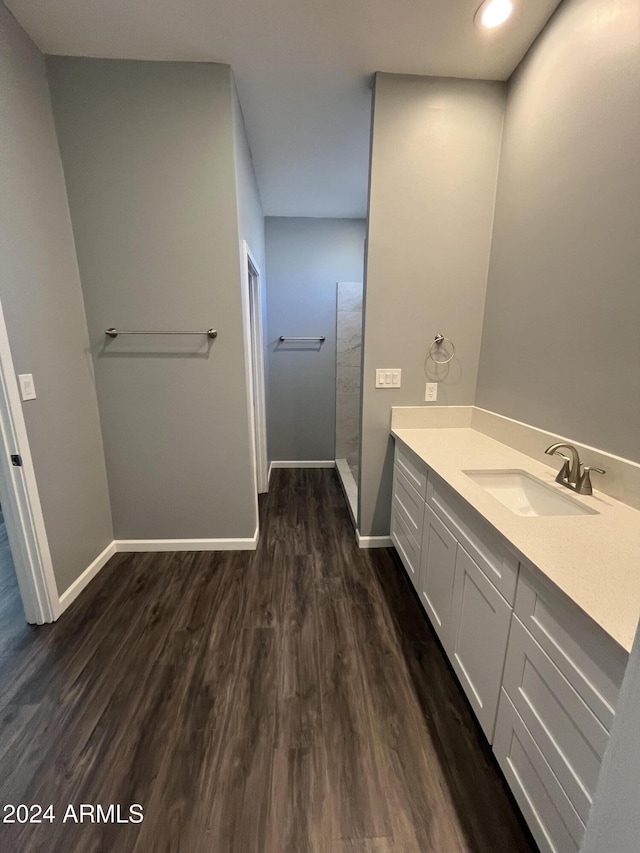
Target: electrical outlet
<point x="431" y="392"/>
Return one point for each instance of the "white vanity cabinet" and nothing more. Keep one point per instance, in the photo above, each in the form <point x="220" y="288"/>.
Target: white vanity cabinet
<point x="542" y="678"/>
<point x="466" y="579"/>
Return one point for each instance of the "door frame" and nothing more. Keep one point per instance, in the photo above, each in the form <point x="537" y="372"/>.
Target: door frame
<point x="21" y="501"/>
<point x="254" y="338"/>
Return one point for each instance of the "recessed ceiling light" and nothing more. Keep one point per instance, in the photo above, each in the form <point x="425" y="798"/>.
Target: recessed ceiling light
<point x="492" y="13"/>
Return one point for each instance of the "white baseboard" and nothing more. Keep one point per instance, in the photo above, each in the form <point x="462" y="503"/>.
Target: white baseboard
<point x="72" y="592"/>
<point x="131" y="545"/>
<point x="373" y="541"/>
<point x="305" y="463"/>
<point x="269" y="473"/>
<point x="134" y="545"/>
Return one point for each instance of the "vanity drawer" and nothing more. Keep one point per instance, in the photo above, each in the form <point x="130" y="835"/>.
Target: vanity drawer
<point x="551" y="818"/>
<point x="411" y="503"/>
<point x="589" y="659"/>
<point x="480" y="541"/>
<point x="412" y="467"/>
<point x="406" y="546"/>
<point x="566" y="731"/>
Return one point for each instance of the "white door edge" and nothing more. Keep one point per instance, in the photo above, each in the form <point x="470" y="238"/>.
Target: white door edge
<point x="21" y="501"/>
<point x="254" y="348"/>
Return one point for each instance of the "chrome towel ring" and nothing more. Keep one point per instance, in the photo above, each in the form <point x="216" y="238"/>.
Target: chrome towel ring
<point x="437" y="343"/>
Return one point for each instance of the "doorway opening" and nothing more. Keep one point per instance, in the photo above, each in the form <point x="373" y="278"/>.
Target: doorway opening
<point x="26" y="573"/>
<point x="12" y="616"/>
<point x="252" y="299"/>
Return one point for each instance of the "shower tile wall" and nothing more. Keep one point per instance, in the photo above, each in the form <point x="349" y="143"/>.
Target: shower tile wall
<point x="348" y="362"/>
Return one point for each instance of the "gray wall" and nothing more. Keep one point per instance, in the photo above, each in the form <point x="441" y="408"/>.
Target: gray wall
<point x="434" y="163"/>
<point x="148" y="153"/>
<point x="566" y="234"/>
<point x="250" y="215"/>
<point x="42" y="301"/>
<point x="305" y="260"/>
<point x="560" y="343"/>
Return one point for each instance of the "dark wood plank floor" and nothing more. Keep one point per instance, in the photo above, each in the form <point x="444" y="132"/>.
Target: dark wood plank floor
<point x="287" y="700"/>
<point x="12" y="626"/>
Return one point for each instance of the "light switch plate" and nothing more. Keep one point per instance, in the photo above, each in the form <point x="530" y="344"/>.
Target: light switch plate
<point x="388" y="377"/>
<point x="27" y="386"/>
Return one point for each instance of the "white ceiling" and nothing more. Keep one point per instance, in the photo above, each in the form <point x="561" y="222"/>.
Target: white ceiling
<point x="303" y="70"/>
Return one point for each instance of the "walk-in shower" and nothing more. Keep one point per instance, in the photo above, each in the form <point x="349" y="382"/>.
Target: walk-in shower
<point x="348" y="369"/>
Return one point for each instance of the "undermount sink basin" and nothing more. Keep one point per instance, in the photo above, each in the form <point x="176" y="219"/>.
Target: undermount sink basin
<point x="526" y="495"/>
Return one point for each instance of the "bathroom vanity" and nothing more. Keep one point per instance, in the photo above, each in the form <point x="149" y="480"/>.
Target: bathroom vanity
<point x="534" y="597"/>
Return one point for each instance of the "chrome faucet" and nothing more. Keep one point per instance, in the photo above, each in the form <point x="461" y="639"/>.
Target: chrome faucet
<point x="573" y="475"/>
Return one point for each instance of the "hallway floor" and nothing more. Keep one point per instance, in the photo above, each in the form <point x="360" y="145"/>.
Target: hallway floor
<point x="287" y="700"/>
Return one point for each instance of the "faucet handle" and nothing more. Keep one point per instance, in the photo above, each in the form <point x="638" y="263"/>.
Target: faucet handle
<point x="584" y="483"/>
<point x="563" y="473"/>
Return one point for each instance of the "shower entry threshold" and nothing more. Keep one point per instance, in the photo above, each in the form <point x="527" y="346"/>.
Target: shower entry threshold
<point x="349" y="487"/>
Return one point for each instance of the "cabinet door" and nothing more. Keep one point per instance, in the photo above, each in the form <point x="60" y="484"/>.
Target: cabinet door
<point x="480" y="620"/>
<point x="437" y="567"/>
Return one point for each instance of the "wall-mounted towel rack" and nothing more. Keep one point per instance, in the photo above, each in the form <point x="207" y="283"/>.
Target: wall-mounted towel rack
<point x="113" y="333"/>
<point x="287" y="338"/>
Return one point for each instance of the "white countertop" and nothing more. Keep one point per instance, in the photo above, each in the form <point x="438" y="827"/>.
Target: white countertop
<point x="594" y="559"/>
